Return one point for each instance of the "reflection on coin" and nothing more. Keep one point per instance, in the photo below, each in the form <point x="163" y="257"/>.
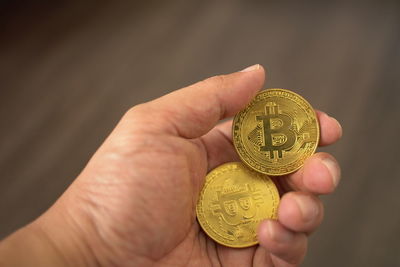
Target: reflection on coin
<point x="234" y="200"/>
<point x="276" y="132"/>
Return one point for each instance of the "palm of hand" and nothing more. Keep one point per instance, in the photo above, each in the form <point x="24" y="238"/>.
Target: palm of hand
<point x="154" y="187"/>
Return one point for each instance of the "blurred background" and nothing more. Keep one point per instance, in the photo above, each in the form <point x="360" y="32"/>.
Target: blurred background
<point x="69" y="70"/>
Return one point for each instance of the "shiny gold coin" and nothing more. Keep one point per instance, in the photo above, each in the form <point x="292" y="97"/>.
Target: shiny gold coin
<point x="276" y="132"/>
<point x="232" y="203"/>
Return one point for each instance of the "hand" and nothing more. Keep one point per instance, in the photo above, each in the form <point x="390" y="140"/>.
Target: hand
<point x="134" y="203"/>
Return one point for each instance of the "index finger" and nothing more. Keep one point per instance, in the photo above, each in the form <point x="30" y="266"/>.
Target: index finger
<point x="330" y="128"/>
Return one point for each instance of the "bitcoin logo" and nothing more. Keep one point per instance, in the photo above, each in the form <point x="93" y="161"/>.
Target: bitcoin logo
<point x="277" y="132"/>
<point x="233" y="201"/>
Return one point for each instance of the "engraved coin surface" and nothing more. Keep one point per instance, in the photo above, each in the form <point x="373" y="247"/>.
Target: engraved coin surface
<point x="276" y="132"/>
<point x="233" y="201"/>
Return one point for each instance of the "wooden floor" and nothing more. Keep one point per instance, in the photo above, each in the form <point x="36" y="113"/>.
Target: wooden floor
<point x="69" y="71"/>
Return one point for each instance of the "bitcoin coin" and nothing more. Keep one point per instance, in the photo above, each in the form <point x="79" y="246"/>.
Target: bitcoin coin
<point x="276" y="132"/>
<point x="232" y="203"/>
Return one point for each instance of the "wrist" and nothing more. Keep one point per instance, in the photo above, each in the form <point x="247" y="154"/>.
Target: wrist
<point x="52" y="240"/>
<point x="26" y="247"/>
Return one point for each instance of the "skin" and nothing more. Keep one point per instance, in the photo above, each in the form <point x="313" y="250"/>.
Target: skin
<point x="134" y="203"/>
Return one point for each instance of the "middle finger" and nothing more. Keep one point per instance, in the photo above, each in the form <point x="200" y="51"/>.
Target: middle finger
<point x="320" y="174"/>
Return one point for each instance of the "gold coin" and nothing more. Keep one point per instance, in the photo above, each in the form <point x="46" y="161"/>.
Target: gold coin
<point x="276" y="132"/>
<point x="232" y="203"/>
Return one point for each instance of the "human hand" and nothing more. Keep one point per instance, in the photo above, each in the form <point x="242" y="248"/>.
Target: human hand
<point x="134" y="203"/>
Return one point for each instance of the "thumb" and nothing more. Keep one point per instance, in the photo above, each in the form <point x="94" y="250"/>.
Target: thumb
<point x="193" y="111"/>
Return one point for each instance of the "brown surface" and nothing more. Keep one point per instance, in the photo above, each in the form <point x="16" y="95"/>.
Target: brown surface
<point x="69" y="71"/>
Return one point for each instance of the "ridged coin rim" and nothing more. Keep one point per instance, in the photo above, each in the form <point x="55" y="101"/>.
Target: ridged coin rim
<point x="236" y="121"/>
<point x="201" y="219"/>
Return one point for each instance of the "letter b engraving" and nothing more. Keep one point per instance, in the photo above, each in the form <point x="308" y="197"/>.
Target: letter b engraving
<point x="277" y="131"/>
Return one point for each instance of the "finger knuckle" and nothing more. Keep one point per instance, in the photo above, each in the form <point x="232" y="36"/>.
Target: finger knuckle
<point x="135" y="111"/>
<point x="218" y="81"/>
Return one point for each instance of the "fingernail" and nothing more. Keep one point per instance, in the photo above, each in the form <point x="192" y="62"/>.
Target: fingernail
<point x="333" y="170"/>
<point x="251" y="68"/>
<point x="338" y="123"/>
<point x="279" y="234"/>
<point x="308" y="208"/>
